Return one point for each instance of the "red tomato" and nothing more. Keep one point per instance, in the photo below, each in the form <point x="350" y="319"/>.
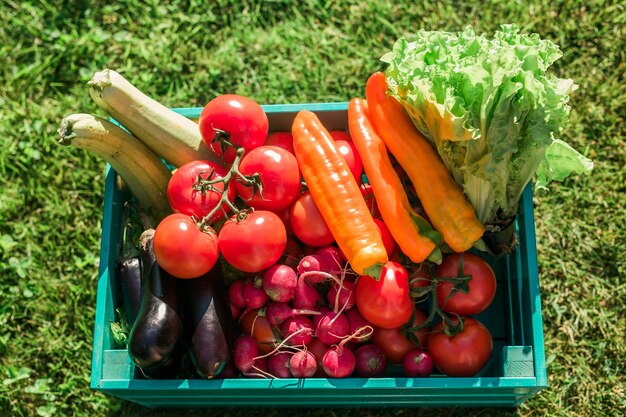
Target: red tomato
<point x="385" y="303"/>
<point x="420" y="277"/>
<point x="394" y="342"/>
<point x="463" y="354"/>
<point x="340" y="135"/>
<point x="482" y="285"/>
<point x="351" y="155"/>
<point x="388" y="240"/>
<point x="254" y="243"/>
<point x="368" y="195"/>
<point x="307" y="222"/>
<point x="182" y="249"/>
<point x="183" y="198"/>
<point x="282" y="140"/>
<point x="279" y="175"/>
<point x="284" y="216"/>
<point x="256" y="325"/>
<point x="241" y="118"/>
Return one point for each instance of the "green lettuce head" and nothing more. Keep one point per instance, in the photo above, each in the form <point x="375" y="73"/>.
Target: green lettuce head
<point x="490" y="108"/>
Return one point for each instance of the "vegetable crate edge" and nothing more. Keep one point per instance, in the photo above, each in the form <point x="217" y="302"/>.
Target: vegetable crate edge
<point x="515" y="372"/>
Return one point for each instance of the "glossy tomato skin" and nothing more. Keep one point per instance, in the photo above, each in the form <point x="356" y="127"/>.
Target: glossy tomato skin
<point x="463" y="354"/>
<point x="279" y="175"/>
<point x="256" y="325"/>
<point x="388" y="240"/>
<point x="385" y="303"/>
<point x="394" y="342"/>
<point x="340" y="135"/>
<point x="482" y="285"/>
<point x="351" y="155"/>
<point x="307" y="222"/>
<point x="282" y="140"/>
<point x="184" y="199"/>
<point x="183" y="250"/>
<point x="240" y="117"/>
<point x="254" y="243"/>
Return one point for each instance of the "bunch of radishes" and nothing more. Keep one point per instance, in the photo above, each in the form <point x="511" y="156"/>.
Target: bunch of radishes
<point x="299" y="319"/>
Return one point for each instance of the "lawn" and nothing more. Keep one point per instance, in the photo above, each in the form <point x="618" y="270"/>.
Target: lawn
<point x="283" y="52"/>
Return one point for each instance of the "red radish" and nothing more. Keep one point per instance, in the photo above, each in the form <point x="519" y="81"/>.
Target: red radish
<point x="322" y="310"/>
<point x="318" y="349"/>
<point x="259" y="369"/>
<point x="309" y="265"/>
<point x="292" y="254"/>
<point x="235" y="311"/>
<point x="338" y="362"/>
<point x="229" y="371"/>
<point x="298" y="329"/>
<point x="303" y="364"/>
<point x="332" y="328"/>
<point x="340" y="135"/>
<point x="245" y="352"/>
<point x="277" y="313"/>
<point x="279" y="283"/>
<point x="235" y="294"/>
<point x="332" y="258"/>
<point x="370" y="361"/>
<point x="306" y="297"/>
<point x="254" y="295"/>
<point x="356" y="322"/>
<point x="278" y="364"/>
<point x="418" y="363"/>
<point x="388" y="240"/>
<point x="342" y="297"/>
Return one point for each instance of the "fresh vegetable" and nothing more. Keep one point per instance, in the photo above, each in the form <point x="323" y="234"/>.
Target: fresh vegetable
<point x="183" y="249"/>
<point x="332" y="327"/>
<point x="279" y="282"/>
<point x="128" y="275"/>
<point x="306" y="296"/>
<point x="353" y="159"/>
<point x="307" y="222"/>
<point x="298" y="329"/>
<point x="282" y="140"/>
<point x="355" y="322"/>
<point x="278" y="364"/>
<point x="388" y="240"/>
<point x="278" y="175"/>
<point x="253" y="241"/>
<point x="460" y="351"/>
<point x="255" y="324"/>
<point x="492" y="109"/>
<point x="146" y="176"/>
<point x="254" y="295"/>
<point x="396" y="343"/>
<point x="385" y="302"/>
<point x="331" y="259"/>
<point x="159" y="326"/>
<point x="189" y="193"/>
<point x="303" y="364"/>
<point x="312" y="265"/>
<point x="411" y="232"/>
<point x="229" y="121"/>
<point x="472" y="296"/>
<point x="209" y="323"/>
<point x="448" y="210"/>
<point x="370" y="361"/>
<point x="339" y="361"/>
<point x="168" y="134"/>
<point x="418" y="363"/>
<point x="337" y="195"/>
<point x="341" y="295"/>
<point x="277" y="313"/>
<point x="244" y="353"/>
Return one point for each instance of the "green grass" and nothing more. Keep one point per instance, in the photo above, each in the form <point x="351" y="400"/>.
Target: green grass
<point x="283" y="52"/>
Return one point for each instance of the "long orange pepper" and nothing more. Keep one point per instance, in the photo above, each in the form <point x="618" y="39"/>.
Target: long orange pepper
<point x="412" y="233"/>
<point x="444" y="202"/>
<point x="337" y="195"/>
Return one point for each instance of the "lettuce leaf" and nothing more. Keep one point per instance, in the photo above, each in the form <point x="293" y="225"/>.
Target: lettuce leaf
<point x="491" y="108"/>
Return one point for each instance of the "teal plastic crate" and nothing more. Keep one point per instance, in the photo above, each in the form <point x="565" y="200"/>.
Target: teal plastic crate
<point x="516" y="371"/>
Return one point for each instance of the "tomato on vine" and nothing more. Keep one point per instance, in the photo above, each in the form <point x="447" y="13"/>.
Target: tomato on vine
<point x="184" y="250"/>
<point x="230" y="121"/>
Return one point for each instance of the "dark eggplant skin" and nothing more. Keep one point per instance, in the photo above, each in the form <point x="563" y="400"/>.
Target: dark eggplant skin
<point x="129" y="276"/>
<point x="159" y="325"/>
<point x="209" y="323"/>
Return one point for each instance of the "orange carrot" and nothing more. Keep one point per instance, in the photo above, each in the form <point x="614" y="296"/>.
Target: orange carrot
<point x="412" y="233"/>
<point x="444" y="202"/>
<point x="337" y="195"/>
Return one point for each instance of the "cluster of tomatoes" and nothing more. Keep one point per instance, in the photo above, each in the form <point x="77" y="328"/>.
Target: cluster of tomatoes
<point x="251" y="207"/>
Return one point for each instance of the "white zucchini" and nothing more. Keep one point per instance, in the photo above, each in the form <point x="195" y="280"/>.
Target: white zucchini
<point x="144" y="173"/>
<point x="169" y="135"/>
